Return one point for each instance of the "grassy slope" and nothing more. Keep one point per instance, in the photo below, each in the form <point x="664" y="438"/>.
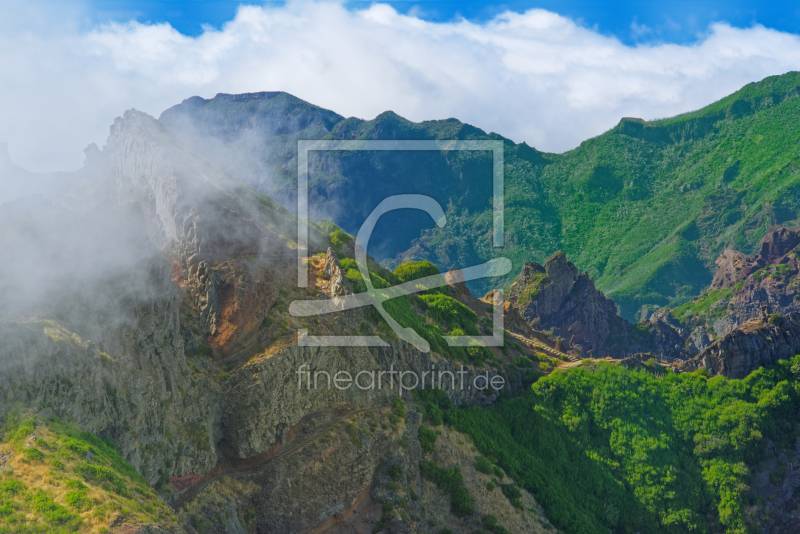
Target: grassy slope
<point x="604" y="448"/>
<point x="54" y="487"/>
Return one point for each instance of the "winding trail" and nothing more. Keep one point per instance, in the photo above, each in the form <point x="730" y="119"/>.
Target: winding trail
<point x="540" y="346"/>
<point x="256" y="464"/>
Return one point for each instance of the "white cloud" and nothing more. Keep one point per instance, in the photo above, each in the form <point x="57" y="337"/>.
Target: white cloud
<point x="535" y="77"/>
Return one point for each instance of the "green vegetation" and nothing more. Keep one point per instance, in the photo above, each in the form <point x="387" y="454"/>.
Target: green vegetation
<point x="483" y="465"/>
<point x="86" y="485"/>
<point x="776" y="272"/>
<point x="444" y="311"/>
<point x="489" y="522"/>
<point x="399" y="407"/>
<point x="645" y="207"/>
<point x="449" y="481"/>
<point x="355" y="437"/>
<point x="387" y="514"/>
<point x="668" y="454"/>
<point x="415" y="270"/>
<point x="434" y="402"/>
<point x="427" y="438"/>
<point x="702" y="304"/>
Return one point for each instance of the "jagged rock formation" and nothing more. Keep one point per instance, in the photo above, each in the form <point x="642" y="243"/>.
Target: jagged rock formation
<point x="332" y="272"/>
<point x="675" y="340"/>
<point x="555" y="296"/>
<point x="767" y="278"/>
<point x="116" y="371"/>
<point x="757" y="343"/>
<point x="742" y="288"/>
<point x="172" y="260"/>
<point x="733" y="266"/>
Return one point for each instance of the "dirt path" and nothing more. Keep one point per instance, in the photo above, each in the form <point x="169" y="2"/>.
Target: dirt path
<point x="250" y="467"/>
<point x="542" y="347"/>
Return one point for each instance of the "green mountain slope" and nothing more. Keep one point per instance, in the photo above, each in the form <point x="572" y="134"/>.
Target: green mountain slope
<point x="645" y="207"/>
<point x="605" y="448"/>
<point x="55" y="478"/>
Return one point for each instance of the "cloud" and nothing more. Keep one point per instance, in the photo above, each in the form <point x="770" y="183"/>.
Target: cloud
<point x="535" y="76"/>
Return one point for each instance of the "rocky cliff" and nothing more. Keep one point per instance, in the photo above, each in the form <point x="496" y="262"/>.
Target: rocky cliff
<point x="163" y="326"/>
<point x="766" y="278"/>
<point x="743" y="289"/>
<point x="555" y="296"/>
<point x="757" y="343"/>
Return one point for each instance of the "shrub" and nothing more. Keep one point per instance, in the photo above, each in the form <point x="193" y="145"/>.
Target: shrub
<point x="523" y="361"/>
<point x="78" y="500"/>
<point x="200" y="524"/>
<point x="433" y="414"/>
<point x="11" y="487"/>
<point x="483" y="465"/>
<point x="57" y="465"/>
<point x="489" y="521"/>
<point x="101" y="474"/>
<point x="414" y="270"/>
<point x="77" y="446"/>
<point x="395" y="471"/>
<point x="511" y="491"/>
<point x="427" y="438"/>
<point x="387" y="514"/>
<point x="50" y="511"/>
<point x="352" y="431"/>
<point x="450" y="481"/>
<point x="399" y="407"/>
<point x="32" y="454"/>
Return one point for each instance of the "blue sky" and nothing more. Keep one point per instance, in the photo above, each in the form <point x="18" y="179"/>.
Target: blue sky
<point x="676" y="21"/>
<point x="549" y="73"/>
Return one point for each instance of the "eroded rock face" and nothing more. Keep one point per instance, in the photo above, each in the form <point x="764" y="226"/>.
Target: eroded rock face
<point x="758" y="343"/>
<point x="733" y="266"/>
<point x="271" y="395"/>
<point x="768" y="278"/>
<point x="333" y="272"/>
<point x="669" y="336"/>
<point x="110" y="354"/>
<point x="112" y="362"/>
<point x="555" y="296"/>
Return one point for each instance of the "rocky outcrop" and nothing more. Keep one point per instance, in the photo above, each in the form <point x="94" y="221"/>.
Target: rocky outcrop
<point x="733" y="266"/>
<point x="112" y="362"/>
<point x="757" y="343"/>
<point x="769" y="278"/>
<point x="556" y="296"/>
<point x="205" y="272"/>
<point x="332" y="271"/>
<point x="269" y="396"/>
<point x="743" y="289"/>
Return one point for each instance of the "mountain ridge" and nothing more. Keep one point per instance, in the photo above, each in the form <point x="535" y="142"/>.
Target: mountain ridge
<point x="653" y="201"/>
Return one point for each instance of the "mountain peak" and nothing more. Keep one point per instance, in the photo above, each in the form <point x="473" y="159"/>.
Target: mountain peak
<point x="246" y="97"/>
